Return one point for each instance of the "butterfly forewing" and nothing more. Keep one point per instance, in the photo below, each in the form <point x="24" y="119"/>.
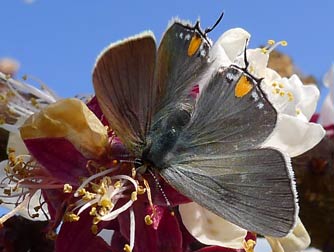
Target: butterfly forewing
<point x="223" y="122"/>
<point x="182" y="59"/>
<point x="123" y="82"/>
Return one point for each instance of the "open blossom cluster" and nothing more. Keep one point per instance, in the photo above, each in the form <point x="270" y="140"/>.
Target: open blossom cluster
<point x="72" y="170"/>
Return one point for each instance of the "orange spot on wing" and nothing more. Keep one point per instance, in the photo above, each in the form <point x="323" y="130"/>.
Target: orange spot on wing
<point x="195" y="43"/>
<point x="243" y="87"/>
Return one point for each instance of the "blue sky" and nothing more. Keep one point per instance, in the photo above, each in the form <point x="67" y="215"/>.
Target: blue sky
<point x="58" y="41"/>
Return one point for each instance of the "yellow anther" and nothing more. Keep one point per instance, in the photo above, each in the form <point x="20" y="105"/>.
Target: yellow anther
<point x="127" y="248"/>
<point x="264" y="50"/>
<point x="148" y="220"/>
<point x="81" y="191"/>
<point x="34" y="102"/>
<point x="290" y="96"/>
<point x="88" y="196"/>
<point x="94" y="229"/>
<point x="271" y="42"/>
<point x="284" y="43"/>
<point x="71" y="217"/>
<point x="277" y="90"/>
<point x="134" y="196"/>
<point x="274" y="84"/>
<point x="141" y="190"/>
<point x="282" y="93"/>
<point x="67" y="188"/>
<point x="115" y="162"/>
<point x="133" y="172"/>
<point x="10" y="149"/>
<point x="118" y="184"/>
<point x="298" y="111"/>
<point x="106" y="202"/>
<point x="96" y="220"/>
<point x="249" y="245"/>
<point x="172" y="213"/>
<point x="92" y="211"/>
<point x="281" y="85"/>
<point x="12" y="157"/>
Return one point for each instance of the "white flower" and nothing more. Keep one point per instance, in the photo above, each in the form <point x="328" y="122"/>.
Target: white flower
<point x="209" y="228"/>
<point x="326" y="117"/>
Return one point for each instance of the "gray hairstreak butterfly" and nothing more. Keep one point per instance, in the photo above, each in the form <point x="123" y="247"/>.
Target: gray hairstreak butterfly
<point x="207" y="148"/>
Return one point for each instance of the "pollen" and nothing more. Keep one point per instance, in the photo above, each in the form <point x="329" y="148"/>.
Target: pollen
<point x="281" y="85"/>
<point x="134" y="196"/>
<point x="118" y="184"/>
<point x="148" y="220"/>
<point x="71" y="217"/>
<point x="249" y="245"/>
<point x="282" y="93"/>
<point x="67" y="188"/>
<point x="81" y="192"/>
<point x="94" y="229"/>
<point x="141" y="190"/>
<point x="290" y="96"/>
<point x="127" y="248"/>
<point x="92" y="211"/>
<point x="298" y="111"/>
<point x="271" y="42"/>
<point x="106" y="202"/>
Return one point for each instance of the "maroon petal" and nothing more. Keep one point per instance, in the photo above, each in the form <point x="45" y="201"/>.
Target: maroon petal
<point x="94" y="106"/>
<point x="163" y="235"/>
<point x="77" y="236"/>
<point x="59" y="157"/>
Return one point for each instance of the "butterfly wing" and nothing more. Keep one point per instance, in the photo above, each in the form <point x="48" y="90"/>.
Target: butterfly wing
<point x="252" y="189"/>
<point x="217" y="163"/>
<point x="129" y="85"/>
<point x="123" y="82"/>
<point x="182" y="59"/>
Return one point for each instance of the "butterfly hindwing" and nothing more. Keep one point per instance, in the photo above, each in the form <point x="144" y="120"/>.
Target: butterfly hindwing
<point x="252" y="189"/>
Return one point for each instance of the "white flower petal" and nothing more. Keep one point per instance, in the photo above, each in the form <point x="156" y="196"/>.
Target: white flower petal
<point x="297" y="240"/>
<point x="328" y="79"/>
<point x="326" y="117"/>
<point x="290" y="96"/>
<point x="232" y="42"/>
<point x="209" y="228"/>
<point x="258" y="62"/>
<point x="294" y="136"/>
